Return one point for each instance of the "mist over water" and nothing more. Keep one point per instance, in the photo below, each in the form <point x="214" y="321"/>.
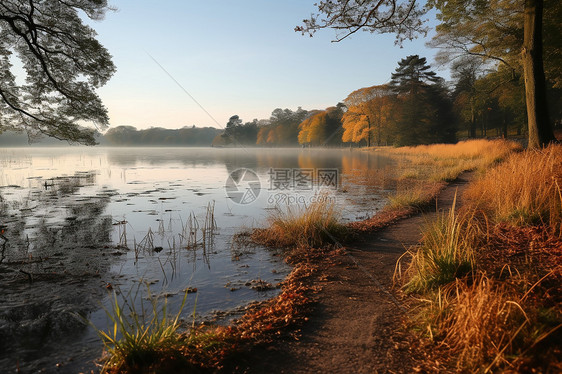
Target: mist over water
<point x="82" y="223"/>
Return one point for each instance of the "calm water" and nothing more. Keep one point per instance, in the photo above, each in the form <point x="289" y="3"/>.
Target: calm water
<point x="83" y="223"/>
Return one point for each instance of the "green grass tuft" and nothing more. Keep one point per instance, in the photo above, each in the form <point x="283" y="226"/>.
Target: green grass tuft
<point x="445" y="254"/>
<point x="140" y="339"/>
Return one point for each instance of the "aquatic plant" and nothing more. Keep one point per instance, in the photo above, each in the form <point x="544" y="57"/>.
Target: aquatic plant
<point x="140" y="338"/>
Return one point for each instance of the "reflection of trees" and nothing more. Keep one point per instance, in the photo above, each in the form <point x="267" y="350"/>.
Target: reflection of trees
<point x="55" y="255"/>
<point x="368" y="170"/>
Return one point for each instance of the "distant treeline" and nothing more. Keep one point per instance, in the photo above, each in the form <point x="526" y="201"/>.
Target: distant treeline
<point x="157" y="136"/>
<point x="128" y="136"/>
<point x="415" y="107"/>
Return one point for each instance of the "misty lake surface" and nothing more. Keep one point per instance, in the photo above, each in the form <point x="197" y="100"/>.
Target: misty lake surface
<point x="82" y="224"/>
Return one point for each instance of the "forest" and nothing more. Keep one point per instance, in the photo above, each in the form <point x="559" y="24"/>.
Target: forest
<point x="415" y="107"/>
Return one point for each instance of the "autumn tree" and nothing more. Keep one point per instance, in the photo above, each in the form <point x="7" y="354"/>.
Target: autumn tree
<point x="368" y="115"/>
<point x="322" y="127"/>
<point x="477" y="23"/>
<point x="63" y="62"/>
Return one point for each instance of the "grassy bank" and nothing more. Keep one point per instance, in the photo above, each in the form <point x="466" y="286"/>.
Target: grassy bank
<point x="489" y="273"/>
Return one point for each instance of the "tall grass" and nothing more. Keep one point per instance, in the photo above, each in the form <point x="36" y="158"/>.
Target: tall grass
<point x="479" y="323"/>
<point x="525" y="189"/>
<point x="140" y="338"/>
<point x="489" y="151"/>
<point x="313" y="225"/>
<point x="446" y="252"/>
<point x="488" y="322"/>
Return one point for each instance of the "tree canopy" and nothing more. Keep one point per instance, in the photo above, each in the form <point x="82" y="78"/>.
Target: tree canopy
<point x="63" y="63"/>
<point x="506" y="31"/>
<point x="401" y="17"/>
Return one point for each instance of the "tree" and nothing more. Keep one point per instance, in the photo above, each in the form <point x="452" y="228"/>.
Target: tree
<point x="424" y="114"/>
<point x="322" y="127"/>
<point x="412" y="74"/>
<point x="63" y="62"/>
<point x="460" y="17"/>
<point x="402" y="18"/>
<point x="465" y="73"/>
<point x="368" y="114"/>
<point x="508" y="33"/>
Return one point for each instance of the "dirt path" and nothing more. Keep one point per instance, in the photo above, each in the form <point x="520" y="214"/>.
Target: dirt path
<point x="358" y="323"/>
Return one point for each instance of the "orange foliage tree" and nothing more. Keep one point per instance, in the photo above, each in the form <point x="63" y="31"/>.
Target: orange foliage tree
<point x="322" y="127"/>
<point x="369" y="114"/>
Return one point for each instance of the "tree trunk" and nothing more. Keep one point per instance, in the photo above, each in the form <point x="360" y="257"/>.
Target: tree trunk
<point x="368" y="132"/>
<point x="472" y="119"/>
<point x="504" y="135"/>
<point x="540" y="131"/>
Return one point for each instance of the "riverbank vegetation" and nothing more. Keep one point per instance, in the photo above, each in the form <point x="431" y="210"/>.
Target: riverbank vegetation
<point x="489" y="273"/>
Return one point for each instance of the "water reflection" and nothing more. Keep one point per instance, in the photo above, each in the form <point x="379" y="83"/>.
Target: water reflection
<point x="54" y="256"/>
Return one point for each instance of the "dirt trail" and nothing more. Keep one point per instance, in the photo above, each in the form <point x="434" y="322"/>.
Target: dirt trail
<point x="357" y="324"/>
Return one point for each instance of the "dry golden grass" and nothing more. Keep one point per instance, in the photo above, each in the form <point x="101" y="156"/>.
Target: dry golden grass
<point x="446" y="252"/>
<point x="445" y="162"/>
<point x="314" y="225"/>
<point x="421" y="169"/>
<point x="505" y="315"/>
<point x="491" y="150"/>
<point x="479" y="323"/>
<point x="525" y="189"/>
<point x="486" y="325"/>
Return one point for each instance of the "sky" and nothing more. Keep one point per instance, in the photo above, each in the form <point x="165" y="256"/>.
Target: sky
<point x="184" y="62"/>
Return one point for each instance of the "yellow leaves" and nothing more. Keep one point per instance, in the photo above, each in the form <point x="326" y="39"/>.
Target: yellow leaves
<point x="355" y="126"/>
<point x="369" y="114"/>
<point x="312" y="129"/>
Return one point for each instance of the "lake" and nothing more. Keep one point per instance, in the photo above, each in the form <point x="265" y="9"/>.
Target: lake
<point x="82" y="224"/>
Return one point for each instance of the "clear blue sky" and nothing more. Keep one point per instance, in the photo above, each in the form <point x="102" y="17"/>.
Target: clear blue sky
<point x="234" y="57"/>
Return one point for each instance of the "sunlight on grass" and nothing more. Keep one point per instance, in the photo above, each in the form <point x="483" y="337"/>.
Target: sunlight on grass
<point x="525" y="189"/>
<point x="313" y="225"/>
<point x="445" y="254"/>
<point x="421" y="166"/>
